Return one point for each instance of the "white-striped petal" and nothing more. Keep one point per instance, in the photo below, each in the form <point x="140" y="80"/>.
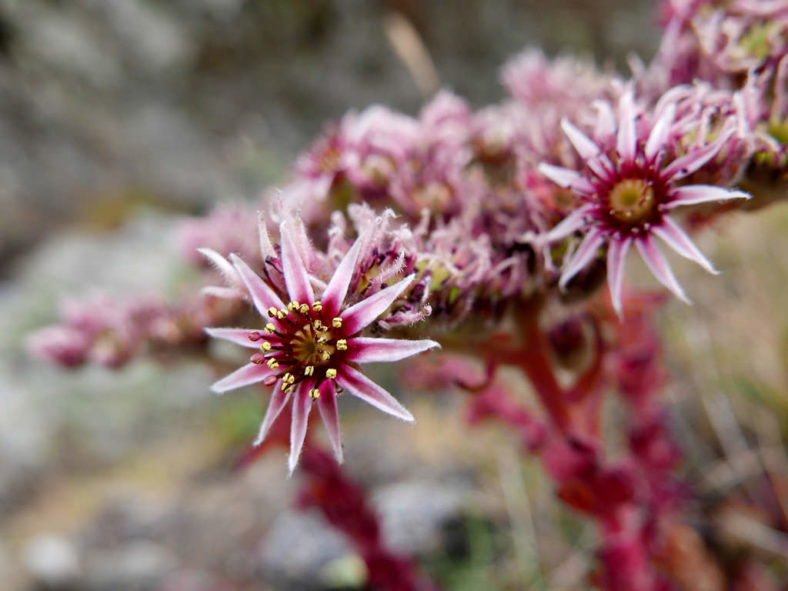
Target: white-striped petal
<point x="363" y="313"/>
<point x="692" y="161"/>
<point x="564" y="177"/>
<point x="371" y="350"/>
<point x="262" y="295"/>
<point x="659" y="266"/>
<point x="360" y="386"/>
<point x="581" y="142"/>
<point x="616" y="259"/>
<point x="695" y="194"/>
<point x="582" y="256"/>
<point x="627" y="137"/>
<point x="337" y="287"/>
<point x="302" y="404"/>
<point x="672" y="234"/>
<point x="296" y="277"/>
<point x="569" y="225"/>
<point x="327" y="405"/>
<point x="239" y="336"/>
<point x="659" y="133"/>
<point x="251" y="373"/>
<point x="279" y="399"/>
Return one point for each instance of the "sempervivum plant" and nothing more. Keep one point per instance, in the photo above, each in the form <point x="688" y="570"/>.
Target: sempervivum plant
<point x="463" y="222"/>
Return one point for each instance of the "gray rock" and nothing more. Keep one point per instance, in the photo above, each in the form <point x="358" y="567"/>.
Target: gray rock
<point x="139" y="565"/>
<point x="298" y="551"/>
<point x="413" y="514"/>
<point x="52" y="561"/>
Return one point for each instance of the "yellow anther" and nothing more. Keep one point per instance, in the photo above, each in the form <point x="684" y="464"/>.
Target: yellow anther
<point x="331" y="373"/>
<point x="336" y="322"/>
<point x="292" y="306"/>
<point x="288" y="378"/>
<point x="285" y="386"/>
<point x="266" y="346"/>
<point x="325" y="356"/>
<point x="322" y="339"/>
<point x="303" y="309"/>
<point x="341" y="345"/>
<point x="288" y="388"/>
<point x="272" y="363"/>
<point x="309" y="370"/>
<point x="314" y="393"/>
<point x="270" y="327"/>
<point x="317" y="306"/>
<point x="317" y="324"/>
<point x="272" y="311"/>
<point x="281" y="314"/>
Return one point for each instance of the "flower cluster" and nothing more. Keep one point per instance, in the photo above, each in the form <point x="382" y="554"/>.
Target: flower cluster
<point x="492" y="231"/>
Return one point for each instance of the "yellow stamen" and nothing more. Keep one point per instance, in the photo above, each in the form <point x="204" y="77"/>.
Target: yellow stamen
<point x="317" y="324"/>
<point x="336" y="322"/>
<point x="322" y="339"/>
<point x="341" y="345"/>
<point x="331" y="373"/>
<point x="270" y="327"/>
<point x="266" y="346"/>
<point x="309" y="370"/>
<point x="317" y="306"/>
<point x="314" y="393"/>
<point x="303" y="309"/>
<point x="272" y="363"/>
<point x="272" y="311"/>
<point x="325" y="356"/>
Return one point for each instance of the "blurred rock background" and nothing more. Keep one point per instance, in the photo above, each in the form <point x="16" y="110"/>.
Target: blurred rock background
<point x="117" y="116"/>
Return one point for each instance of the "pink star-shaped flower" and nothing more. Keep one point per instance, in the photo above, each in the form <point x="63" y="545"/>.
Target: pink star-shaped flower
<point x="309" y="347"/>
<point x="627" y="193"/>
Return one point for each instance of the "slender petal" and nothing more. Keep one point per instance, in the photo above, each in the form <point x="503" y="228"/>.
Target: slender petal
<point x="251" y="373"/>
<point x="262" y="295"/>
<point x="582" y="143"/>
<point x="694" y="194"/>
<point x="677" y="239"/>
<point x="582" y="256"/>
<point x="569" y="225"/>
<point x="327" y="405"/>
<point x="239" y="336"/>
<point x="335" y="292"/>
<point x="279" y="400"/>
<point x="659" y="133"/>
<point x="369" y="350"/>
<point x="360" y="315"/>
<point x="626" y="142"/>
<point x="225" y="268"/>
<point x="569" y="179"/>
<point x="266" y="248"/>
<point x="616" y="258"/>
<point x="691" y="162"/>
<point x="359" y="385"/>
<point x="296" y="277"/>
<point x="655" y="260"/>
<point x="224" y="293"/>
<point x="302" y="404"/>
<point x="605" y="119"/>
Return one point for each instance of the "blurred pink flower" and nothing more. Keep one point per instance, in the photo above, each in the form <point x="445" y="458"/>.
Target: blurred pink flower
<point x="627" y="192"/>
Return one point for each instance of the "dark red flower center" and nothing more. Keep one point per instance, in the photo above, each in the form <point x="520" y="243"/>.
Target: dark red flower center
<point x="303" y="343"/>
